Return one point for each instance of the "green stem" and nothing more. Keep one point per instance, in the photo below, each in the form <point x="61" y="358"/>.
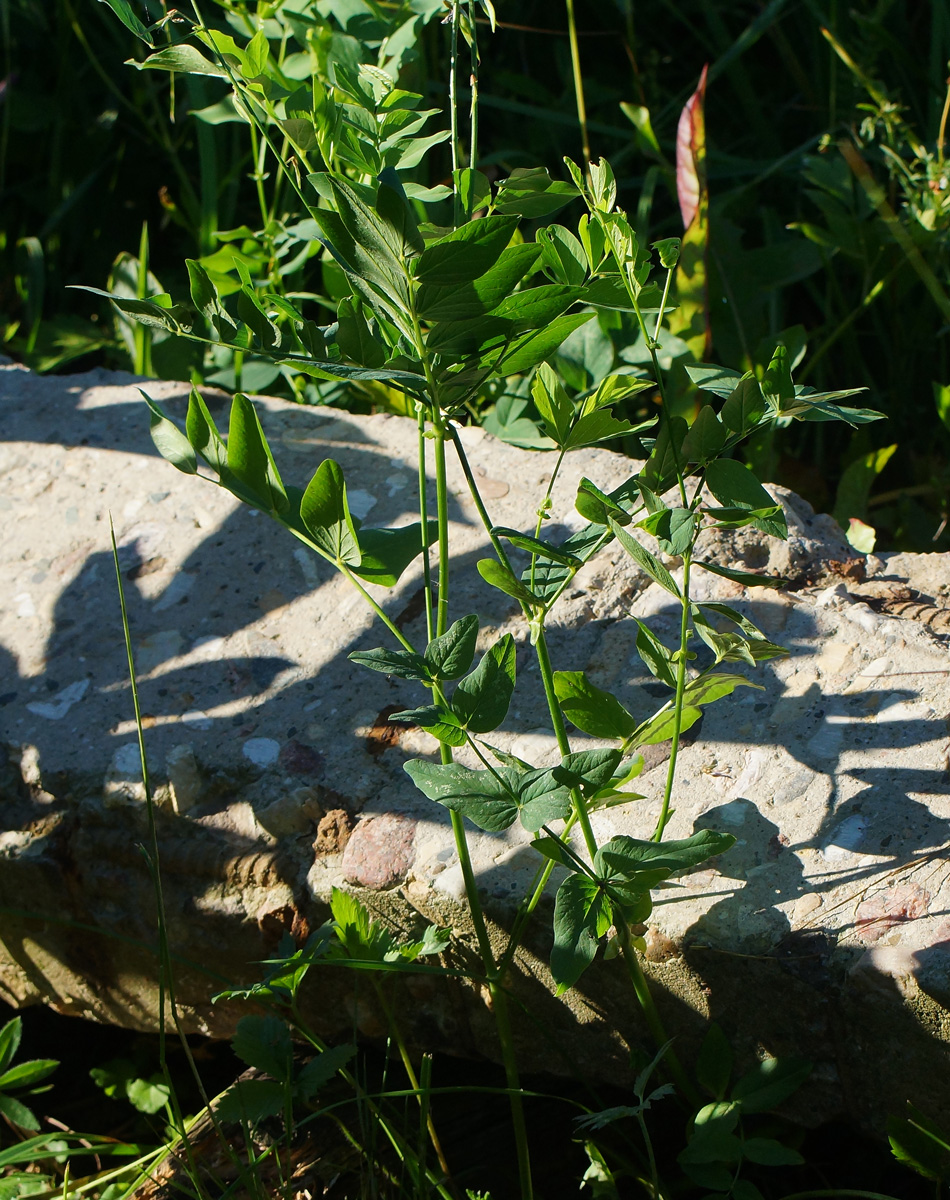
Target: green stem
<point x="454" y="110"/>
<point x="654" y="1023"/>
<point x="678" y="704"/>
<point x="543" y="511"/>
<point x="563" y="743"/>
<point x="527" y="908"/>
<point x="397" y="1037"/>
<point x="473" y="156"/>
<point x="578" y="83"/>
<point x="500" y="1006"/>
<point x="485" y="519"/>
<point x="442" y="501"/>
<point x="393" y="629"/>
<point x="424" y="522"/>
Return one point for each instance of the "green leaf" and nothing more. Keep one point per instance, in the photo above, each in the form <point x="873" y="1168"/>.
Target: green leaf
<point x="505" y="422"/>
<point x="626" y="857"/>
<point x="498" y="576"/>
<point x="250" y="1101"/>
<point x="531" y="192"/>
<point x="126" y="14"/>
<point x="532" y="348"/>
<point x="769" y="1083"/>
<point x="542" y="797"/>
<point x="146" y="312"/>
<point x="770" y="1153"/>
<point x="354" y="338"/>
<point x="148" y="1095"/>
<point x="710" y="688"/>
<point x="481" y="699"/>
<point x="597" y="427"/>
<point x="673" y="528"/>
<point x="857" y="479"/>
<point x="401" y="663"/>
<point x="182" y="58"/>
<point x="320" y="1070"/>
<point x="719" y="380"/>
<point x="474" y="190"/>
<point x="204" y="296"/>
<point x="589" y="708"/>
<point x="249" y="458"/>
<point x="582" y="915"/>
<point x="645" y="560"/>
<point x="777" y="386"/>
<point x="536" y="546"/>
<point x="745" y="406"/>
<point x="203" y="433"/>
<point x="478" y="795"/>
<point x="746" y="578"/>
<point x="264" y="1042"/>
<point x="169" y="440"/>
<point x="942" y="401"/>
<point x="326" y="515"/>
<point x="467" y="253"/>
<point x="589" y="770"/>
<point x="666" y="457"/>
<point x="386" y="553"/>
<point x="450" y="655"/>
<point x="10" y="1036"/>
<point x="435" y="719"/>
<point x="27" y="1073"/>
<point x="920" y="1144"/>
<point x="562" y="255"/>
<point x="461" y="302"/>
<point x="735" y="486"/>
<point x="660" y="727"/>
<point x="596" y="506"/>
<point x="706" y="437"/>
<point x="537" y="307"/>
<point x="657" y="658"/>
<point x="714" y="1065"/>
<point x="18" y="1113"/>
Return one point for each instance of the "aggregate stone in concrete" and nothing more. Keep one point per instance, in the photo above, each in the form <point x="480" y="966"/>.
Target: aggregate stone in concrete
<point x="825" y="931"/>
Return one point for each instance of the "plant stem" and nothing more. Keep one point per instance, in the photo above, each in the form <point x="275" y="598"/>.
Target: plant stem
<point x="500" y="1006"/>
<point x="664" y="816"/>
<point x="442" y="501"/>
<point x="393" y="629"/>
<point x="473" y="155"/>
<point x="454" y="111"/>
<point x="654" y="1023"/>
<point x="424" y="522"/>
<point x="563" y="743"/>
<point x="410" y="1074"/>
<point x="578" y="83"/>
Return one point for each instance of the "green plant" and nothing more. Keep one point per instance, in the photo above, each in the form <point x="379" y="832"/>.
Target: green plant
<point x="23" y="1075"/>
<point x="440" y="314"/>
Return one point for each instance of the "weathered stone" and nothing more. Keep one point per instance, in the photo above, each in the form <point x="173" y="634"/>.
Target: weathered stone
<point x="822" y="932"/>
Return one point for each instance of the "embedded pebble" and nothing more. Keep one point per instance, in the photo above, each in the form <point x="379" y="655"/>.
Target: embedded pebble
<point x="262" y="751"/>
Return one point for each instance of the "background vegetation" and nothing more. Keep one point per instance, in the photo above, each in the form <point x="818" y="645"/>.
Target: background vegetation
<point x="829" y="197"/>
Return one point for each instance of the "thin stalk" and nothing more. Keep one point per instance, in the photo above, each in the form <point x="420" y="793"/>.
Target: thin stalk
<point x="424" y="522"/>
<point x="500" y="1006"/>
<point x="393" y="629"/>
<point x="528" y="906"/>
<point x="654" y="1022"/>
<point x="411" y="1074"/>
<point x="473" y="81"/>
<point x="578" y="82"/>
<point x="442" y="503"/>
<point x="166" y="987"/>
<point x="677" y="704"/>
<point x="543" y="510"/>
<point x="454" y="110"/>
<point x="942" y="131"/>
<point x="563" y="743"/>
<point x="497" y="546"/>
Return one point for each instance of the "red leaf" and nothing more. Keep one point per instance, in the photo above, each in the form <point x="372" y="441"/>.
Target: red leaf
<point x="691" y="152"/>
